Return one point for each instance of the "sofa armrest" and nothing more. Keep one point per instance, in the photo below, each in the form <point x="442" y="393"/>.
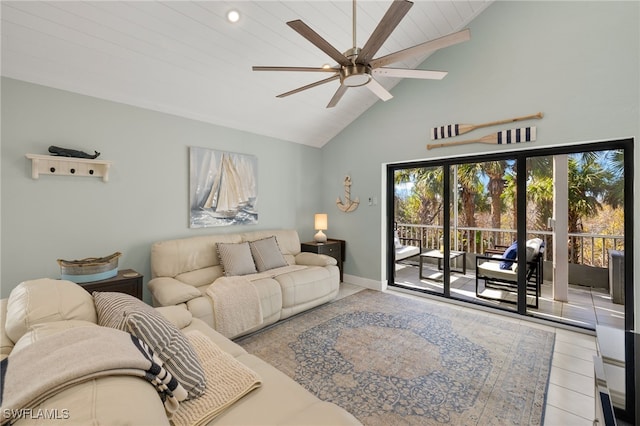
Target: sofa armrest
<point x="169" y="291"/>
<point x="6" y="344"/>
<point x="177" y="315"/>
<point x="314" y="259"/>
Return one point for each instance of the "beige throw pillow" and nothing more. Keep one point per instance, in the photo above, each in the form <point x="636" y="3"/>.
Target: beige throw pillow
<point x="266" y="254"/>
<point x="236" y="259"/>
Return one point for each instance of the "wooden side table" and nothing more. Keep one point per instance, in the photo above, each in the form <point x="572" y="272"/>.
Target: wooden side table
<point x="331" y="248"/>
<point x="127" y="281"/>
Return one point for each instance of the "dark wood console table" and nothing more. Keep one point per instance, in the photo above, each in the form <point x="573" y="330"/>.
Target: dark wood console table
<point x="127" y="281"/>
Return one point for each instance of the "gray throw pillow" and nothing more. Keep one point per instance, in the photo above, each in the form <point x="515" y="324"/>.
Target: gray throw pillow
<point x="236" y="259"/>
<point x="124" y="312"/>
<point x="266" y="254"/>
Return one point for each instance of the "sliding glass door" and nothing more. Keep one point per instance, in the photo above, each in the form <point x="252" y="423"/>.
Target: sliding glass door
<point x="542" y="232"/>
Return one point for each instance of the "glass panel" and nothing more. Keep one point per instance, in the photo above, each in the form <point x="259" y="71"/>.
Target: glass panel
<point x="485" y="229"/>
<point x="587" y="287"/>
<point x="418" y="219"/>
<point x="540" y="211"/>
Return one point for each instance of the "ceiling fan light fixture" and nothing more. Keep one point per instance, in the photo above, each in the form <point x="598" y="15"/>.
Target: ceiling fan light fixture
<point x="356" y="66"/>
<point x="355" y="75"/>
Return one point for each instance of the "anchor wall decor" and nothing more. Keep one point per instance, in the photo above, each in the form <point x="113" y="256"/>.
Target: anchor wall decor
<point x="349" y="205"/>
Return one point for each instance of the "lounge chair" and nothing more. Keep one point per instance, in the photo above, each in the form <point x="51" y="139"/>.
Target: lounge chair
<point x="501" y="271"/>
<point x="404" y="249"/>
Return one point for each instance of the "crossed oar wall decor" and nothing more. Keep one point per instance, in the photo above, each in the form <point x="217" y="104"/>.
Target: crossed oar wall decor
<point x="525" y="134"/>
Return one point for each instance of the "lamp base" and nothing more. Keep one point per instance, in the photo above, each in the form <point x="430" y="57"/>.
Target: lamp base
<point x="320" y="237"/>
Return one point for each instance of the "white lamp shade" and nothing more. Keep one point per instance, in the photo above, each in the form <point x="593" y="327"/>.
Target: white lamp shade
<point x="321" y="221"/>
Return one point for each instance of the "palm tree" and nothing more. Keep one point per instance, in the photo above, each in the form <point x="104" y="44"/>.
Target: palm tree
<point x="469" y="186"/>
<point x="588" y="187"/>
<point x="495" y="171"/>
<point x="614" y="162"/>
<point x="470" y="190"/>
<point x="424" y="205"/>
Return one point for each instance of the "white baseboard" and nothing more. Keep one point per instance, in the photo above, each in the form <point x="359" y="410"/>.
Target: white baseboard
<point x="365" y="282"/>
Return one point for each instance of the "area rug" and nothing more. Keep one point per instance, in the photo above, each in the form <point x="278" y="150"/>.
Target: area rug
<point x="392" y="360"/>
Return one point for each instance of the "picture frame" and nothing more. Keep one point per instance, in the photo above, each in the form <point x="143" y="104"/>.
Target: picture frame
<point x="223" y="188"/>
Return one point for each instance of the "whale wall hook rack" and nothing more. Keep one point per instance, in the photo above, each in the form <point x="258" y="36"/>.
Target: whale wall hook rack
<point x="68" y="166"/>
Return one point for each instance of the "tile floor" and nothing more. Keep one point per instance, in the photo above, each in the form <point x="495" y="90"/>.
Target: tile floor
<point x="570" y="398"/>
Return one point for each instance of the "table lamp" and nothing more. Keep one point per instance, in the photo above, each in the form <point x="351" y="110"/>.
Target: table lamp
<point x="320" y="225"/>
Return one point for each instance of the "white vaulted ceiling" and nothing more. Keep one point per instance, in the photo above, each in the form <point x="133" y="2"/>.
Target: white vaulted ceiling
<point x="184" y="58"/>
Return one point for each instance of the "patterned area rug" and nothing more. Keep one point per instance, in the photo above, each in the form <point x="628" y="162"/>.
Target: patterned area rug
<point x="391" y="360"/>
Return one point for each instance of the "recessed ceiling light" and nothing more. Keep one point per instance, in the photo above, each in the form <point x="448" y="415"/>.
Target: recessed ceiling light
<point x="233" y="16"/>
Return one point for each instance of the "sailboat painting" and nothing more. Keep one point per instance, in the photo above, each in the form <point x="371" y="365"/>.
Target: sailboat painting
<point x="223" y="188"/>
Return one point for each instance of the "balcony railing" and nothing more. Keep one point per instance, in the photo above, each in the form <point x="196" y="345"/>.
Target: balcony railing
<point x="584" y="249"/>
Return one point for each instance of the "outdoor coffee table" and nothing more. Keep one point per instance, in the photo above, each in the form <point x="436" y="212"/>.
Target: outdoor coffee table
<point x="437" y="254"/>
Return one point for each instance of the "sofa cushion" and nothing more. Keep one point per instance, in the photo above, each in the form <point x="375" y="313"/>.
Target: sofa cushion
<point x="288" y="239"/>
<point x="46" y="300"/>
<point x="201" y="277"/>
<point x="314" y="259"/>
<point x="492" y="269"/>
<point x="266" y="254"/>
<point x="46" y="329"/>
<point x="170" y="291"/>
<point x="110" y="400"/>
<point x="174" y="257"/>
<point x="236" y="258"/>
<point x="6" y="344"/>
<point x="396" y="240"/>
<point x="534" y="247"/>
<point x="125" y="312"/>
<point x="405" y="252"/>
<point x="177" y="315"/>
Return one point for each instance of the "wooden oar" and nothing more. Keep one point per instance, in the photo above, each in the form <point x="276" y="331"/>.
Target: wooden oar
<point x="451" y="130"/>
<point x="524" y="134"/>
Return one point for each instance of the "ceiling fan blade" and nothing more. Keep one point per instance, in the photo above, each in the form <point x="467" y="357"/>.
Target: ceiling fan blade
<point x="420" y="49"/>
<point x="387" y="24"/>
<point x="305" y="31"/>
<point x="409" y="73"/>
<point x="379" y="91"/>
<point x="309" y="86"/>
<point x="337" y="96"/>
<point x="303" y="69"/>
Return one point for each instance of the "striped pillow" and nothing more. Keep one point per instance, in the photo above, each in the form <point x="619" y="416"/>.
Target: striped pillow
<point x="124" y="312"/>
<point x="266" y="253"/>
<point x="236" y="259"/>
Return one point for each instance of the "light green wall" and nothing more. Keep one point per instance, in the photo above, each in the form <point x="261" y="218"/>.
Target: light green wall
<point x="146" y="198"/>
<point x="578" y="62"/>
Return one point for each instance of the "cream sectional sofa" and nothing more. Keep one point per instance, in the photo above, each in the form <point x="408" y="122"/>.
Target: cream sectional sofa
<point x="41" y="310"/>
<point x="187" y="272"/>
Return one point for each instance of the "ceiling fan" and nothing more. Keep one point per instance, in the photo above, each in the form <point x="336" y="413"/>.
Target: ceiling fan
<point x="356" y="67"/>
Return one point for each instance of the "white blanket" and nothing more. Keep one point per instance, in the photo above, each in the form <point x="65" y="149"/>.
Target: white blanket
<point x="236" y="305"/>
<point x="236" y="301"/>
<point x="73" y="356"/>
